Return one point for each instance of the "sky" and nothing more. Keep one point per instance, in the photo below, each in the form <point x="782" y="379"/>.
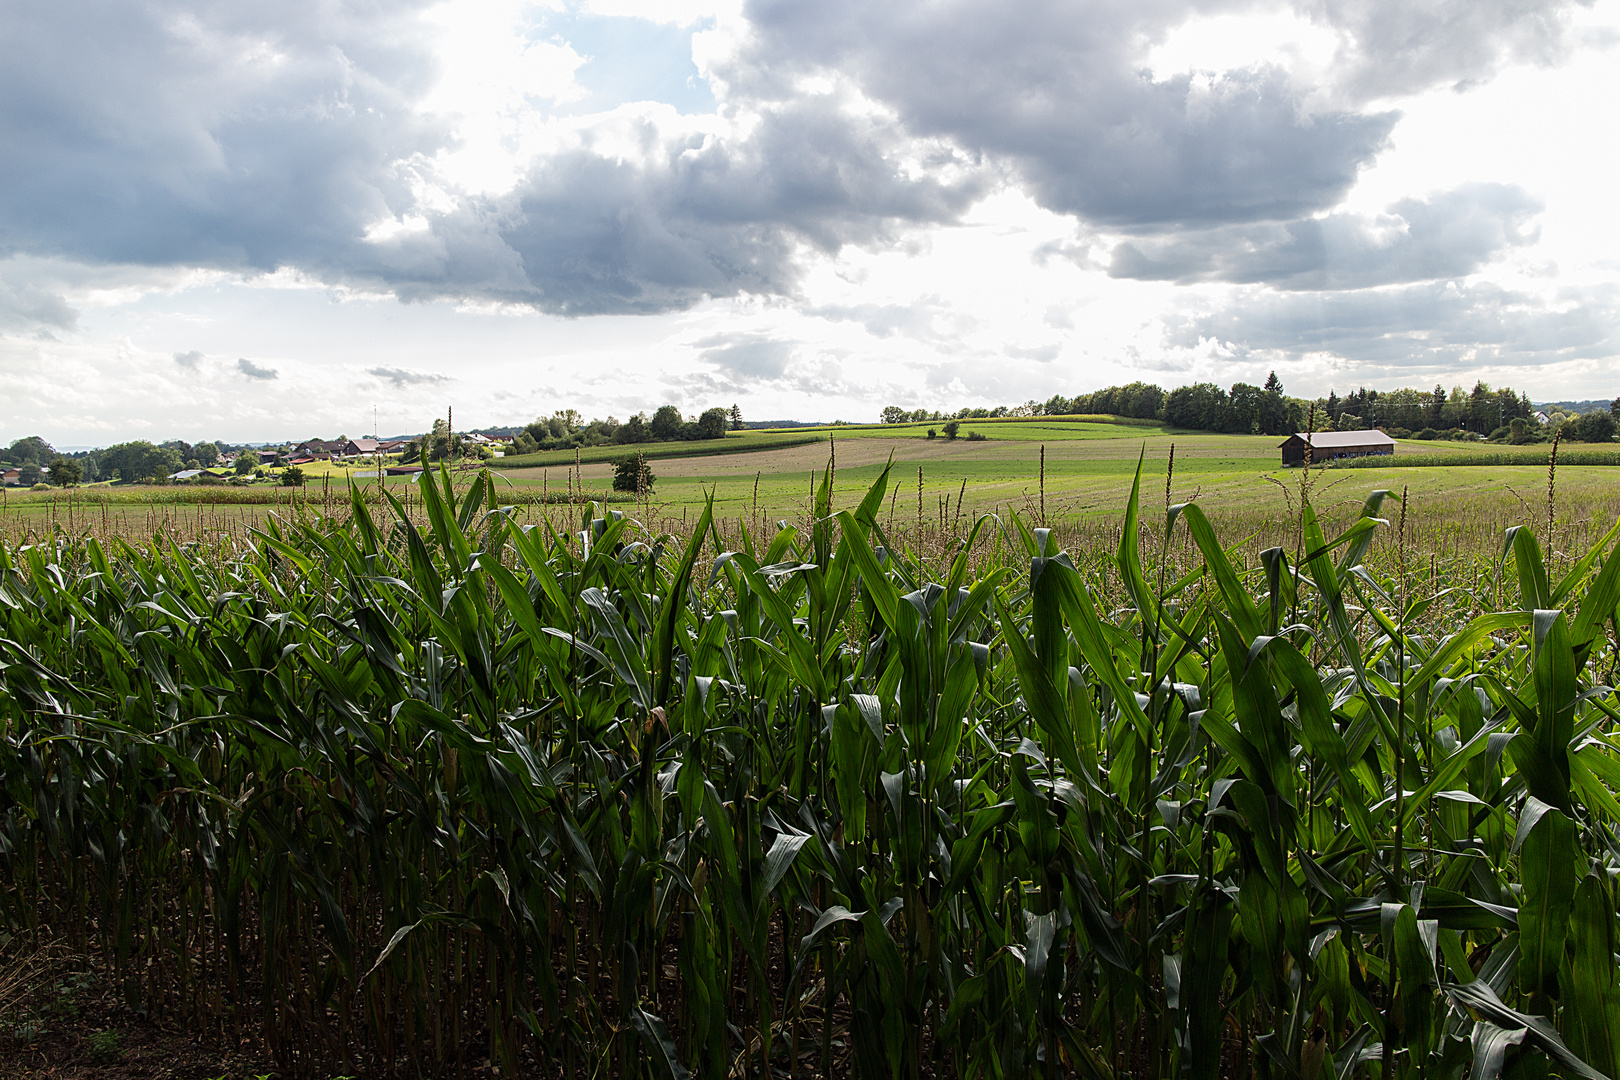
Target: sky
<point x="267" y="221"/>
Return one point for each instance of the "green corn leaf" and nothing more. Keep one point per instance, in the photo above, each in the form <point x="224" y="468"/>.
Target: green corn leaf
<point x="660" y="1046"/>
<point x="674" y="603"/>
<point x="1592" y="1017"/>
<point x="1534" y="592"/>
<point x="1548" y="850"/>
<point x="1484" y="1002"/>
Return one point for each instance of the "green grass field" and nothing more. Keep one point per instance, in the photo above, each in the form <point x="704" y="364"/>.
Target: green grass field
<point x="1088" y="471"/>
<point x="766" y="476"/>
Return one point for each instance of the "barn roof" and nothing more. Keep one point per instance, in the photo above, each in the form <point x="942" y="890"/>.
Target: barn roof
<point x="1334" y="440"/>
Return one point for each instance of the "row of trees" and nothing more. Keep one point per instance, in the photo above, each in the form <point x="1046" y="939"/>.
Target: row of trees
<point x="1481" y="410"/>
<point x="566" y="429"/>
<point x="1502" y="414"/>
<point x="894" y="414"/>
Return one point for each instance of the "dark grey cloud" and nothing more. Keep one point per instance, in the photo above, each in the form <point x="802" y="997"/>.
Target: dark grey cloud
<point x="256" y="371"/>
<point x="190" y="360"/>
<point x="1055" y="91"/>
<point x="715" y="218"/>
<point x="1449" y="235"/>
<point x="403" y="377"/>
<point x="1438" y="326"/>
<point x="207" y="133"/>
<point x="746" y="356"/>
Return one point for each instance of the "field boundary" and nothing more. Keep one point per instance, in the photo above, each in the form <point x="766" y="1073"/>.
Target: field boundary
<point x="595" y="455"/>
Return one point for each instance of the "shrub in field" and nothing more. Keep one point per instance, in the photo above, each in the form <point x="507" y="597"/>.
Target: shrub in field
<point x="588" y="802"/>
<point x="951" y="428"/>
<point x="292" y="476"/>
<point x="633" y="474"/>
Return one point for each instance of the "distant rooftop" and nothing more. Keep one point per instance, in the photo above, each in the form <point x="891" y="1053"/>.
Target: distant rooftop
<point x="1332" y="440"/>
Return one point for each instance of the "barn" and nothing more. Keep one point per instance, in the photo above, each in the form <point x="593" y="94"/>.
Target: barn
<point x="1328" y="445"/>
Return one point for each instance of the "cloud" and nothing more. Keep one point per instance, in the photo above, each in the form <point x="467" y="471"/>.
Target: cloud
<point x="403" y="377"/>
<point x="1066" y="103"/>
<point x="912" y="320"/>
<point x="208" y="134"/>
<point x="1394" y="47"/>
<point x="1041" y="354"/>
<point x="1433" y="326"/>
<point x="250" y="141"/>
<point x="25" y="306"/>
<point x="255" y="371"/>
<point x="190" y="360"/>
<point x="715" y="216"/>
<point x="308" y="139"/>
<point x="1450" y="235"/>
<point x="746" y="356"/>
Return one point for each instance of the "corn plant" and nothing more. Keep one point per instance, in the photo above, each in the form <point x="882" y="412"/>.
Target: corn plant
<point x="395" y="797"/>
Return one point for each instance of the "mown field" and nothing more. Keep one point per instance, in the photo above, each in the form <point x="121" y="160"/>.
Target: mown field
<point x="435" y="789"/>
<point x="1455" y="509"/>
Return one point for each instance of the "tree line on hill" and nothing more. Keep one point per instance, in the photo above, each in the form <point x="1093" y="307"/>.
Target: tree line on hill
<point x="1496" y="414"/>
<point x="39" y="462"/>
<point x="566" y="429"/>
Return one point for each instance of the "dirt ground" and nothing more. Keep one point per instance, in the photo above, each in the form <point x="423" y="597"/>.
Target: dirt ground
<point x="62" y="1017"/>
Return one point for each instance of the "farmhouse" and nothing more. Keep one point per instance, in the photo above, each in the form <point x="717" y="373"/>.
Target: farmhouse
<point x="1327" y="445"/>
<point x="318" y="448"/>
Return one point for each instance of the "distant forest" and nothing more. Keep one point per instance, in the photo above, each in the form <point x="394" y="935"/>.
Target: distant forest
<point x="1500" y="414"/>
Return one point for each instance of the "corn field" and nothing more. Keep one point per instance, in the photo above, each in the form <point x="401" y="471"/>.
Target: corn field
<point x="396" y="798"/>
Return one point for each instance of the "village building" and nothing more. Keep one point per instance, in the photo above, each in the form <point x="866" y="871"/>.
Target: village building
<point x="1330" y="445"/>
<point x="320" y="449"/>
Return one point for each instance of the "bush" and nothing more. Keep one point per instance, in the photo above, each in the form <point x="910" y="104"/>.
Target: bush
<point x="292" y="476"/>
<point x="976" y="436"/>
<point x="633" y="474"/>
<point x="951" y="429"/>
<point x="932" y="434"/>
<point x="42" y="486"/>
<point x="1591" y="427"/>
